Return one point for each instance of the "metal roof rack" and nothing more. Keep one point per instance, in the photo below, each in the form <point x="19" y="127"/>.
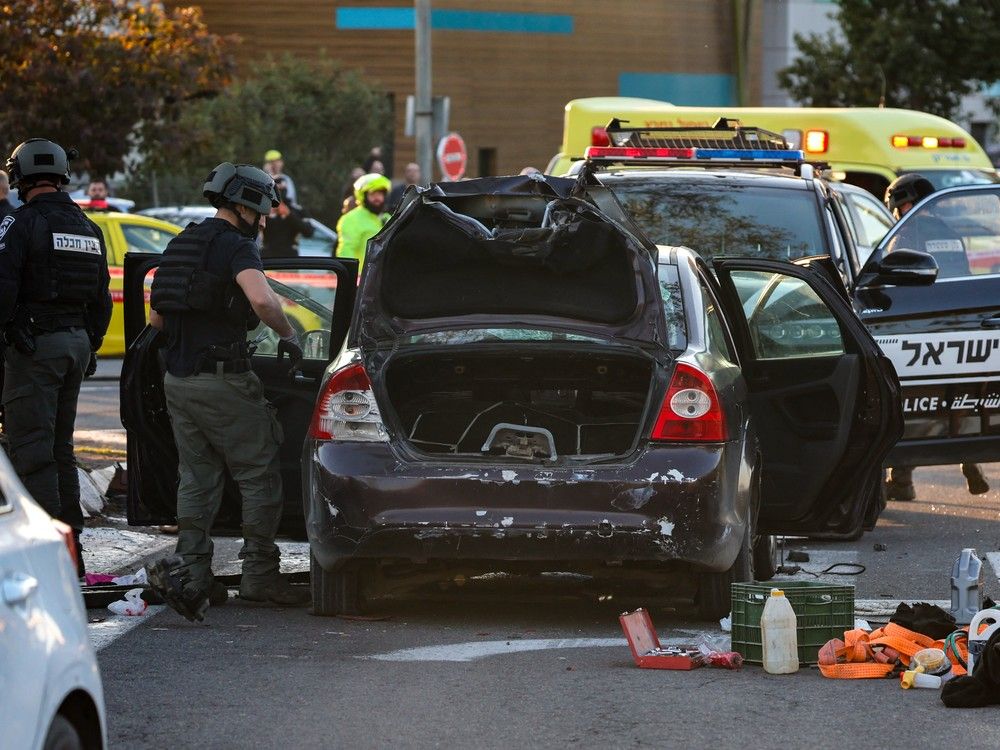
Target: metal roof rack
<point x="726" y="133"/>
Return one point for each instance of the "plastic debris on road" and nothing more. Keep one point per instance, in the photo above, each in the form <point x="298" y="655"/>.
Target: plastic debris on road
<point x="132" y="605"/>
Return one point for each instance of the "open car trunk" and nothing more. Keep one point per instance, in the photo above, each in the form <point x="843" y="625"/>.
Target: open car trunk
<point x="553" y="404"/>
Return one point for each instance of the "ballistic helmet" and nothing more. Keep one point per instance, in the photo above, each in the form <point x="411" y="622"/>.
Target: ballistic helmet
<point x="370" y="183"/>
<point x="910" y="188"/>
<point x="242" y="184"/>
<point x="37" y="158"/>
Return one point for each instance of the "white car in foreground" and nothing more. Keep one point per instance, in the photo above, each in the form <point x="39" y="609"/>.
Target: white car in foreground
<point x="50" y="688"/>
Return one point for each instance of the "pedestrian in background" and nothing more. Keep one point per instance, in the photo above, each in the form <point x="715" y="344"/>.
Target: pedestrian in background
<point x="285" y="224"/>
<point x="274" y="165"/>
<point x="900" y="197"/>
<point x="97" y="195"/>
<point x="208" y="292"/>
<point x="349" y="202"/>
<point x="411" y="176"/>
<point x="6" y="207"/>
<point x="54" y="309"/>
<point x="366" y="219"/>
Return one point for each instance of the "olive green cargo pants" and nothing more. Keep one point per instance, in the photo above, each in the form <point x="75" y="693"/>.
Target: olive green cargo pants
<point x="40" y="394"/>
<point x="223" y="421"/>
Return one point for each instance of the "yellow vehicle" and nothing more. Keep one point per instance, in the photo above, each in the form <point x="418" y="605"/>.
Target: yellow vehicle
<point x="122" y="233"/>
<point x="867" y="147"/>
<point x="136" y="232"/>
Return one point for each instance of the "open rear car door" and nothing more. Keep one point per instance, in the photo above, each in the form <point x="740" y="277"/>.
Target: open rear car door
<point x="824" y="399"/>
<point x="317" y="296"/>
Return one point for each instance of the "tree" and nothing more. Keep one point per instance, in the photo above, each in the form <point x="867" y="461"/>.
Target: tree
<point x="323" y="119"/>
<point x="86" y="73"/>
<point x="924" y="54"/>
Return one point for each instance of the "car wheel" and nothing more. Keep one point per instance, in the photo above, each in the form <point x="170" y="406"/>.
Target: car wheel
<point x="62" y="735"/>
<point x="334" y="592"/>
<point x="714" y="595"/>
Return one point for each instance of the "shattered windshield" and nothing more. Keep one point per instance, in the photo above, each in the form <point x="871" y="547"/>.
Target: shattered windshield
<point x="725" y="219"/>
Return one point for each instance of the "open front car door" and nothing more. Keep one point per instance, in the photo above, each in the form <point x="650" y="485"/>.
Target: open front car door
<point x="824" y="399"/>
<point x="317" y="296"/>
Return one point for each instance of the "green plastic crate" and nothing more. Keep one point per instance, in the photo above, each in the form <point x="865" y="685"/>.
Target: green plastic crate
<point x="822" y="612"/>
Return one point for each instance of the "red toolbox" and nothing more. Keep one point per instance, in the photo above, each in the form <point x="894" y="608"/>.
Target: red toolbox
<point x="646" y="649"/>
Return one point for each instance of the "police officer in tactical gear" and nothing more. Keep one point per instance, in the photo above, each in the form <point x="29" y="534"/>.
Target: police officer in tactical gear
<point x="54" y="309"/>
<point x="209" y="290"/>
<point x="901" y="195"/>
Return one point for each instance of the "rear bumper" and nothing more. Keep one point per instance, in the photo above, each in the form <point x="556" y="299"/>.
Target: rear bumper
<point x="950" y="450"/>
<point x="670" y="503"/>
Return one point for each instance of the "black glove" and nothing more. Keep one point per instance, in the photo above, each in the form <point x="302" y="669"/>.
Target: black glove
<point x="290" y="346"/>
<point x="91" y="366"/>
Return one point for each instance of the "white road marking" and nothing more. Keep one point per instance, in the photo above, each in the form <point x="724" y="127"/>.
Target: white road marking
<point x="113" y="438"/>
<point x="994" y="558"/>
<point x="883" y="609"/>
<point x="111" y="550"/>
<point x="472" y="650"/>
<point x="103" y="634"/>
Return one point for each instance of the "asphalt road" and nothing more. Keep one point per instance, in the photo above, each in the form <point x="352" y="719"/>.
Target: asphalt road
<point x="532" y="662"/>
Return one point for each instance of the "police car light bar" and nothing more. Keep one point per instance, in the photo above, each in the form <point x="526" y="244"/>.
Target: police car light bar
<point x="631" y="153"/>
<point x="726" y="140"/>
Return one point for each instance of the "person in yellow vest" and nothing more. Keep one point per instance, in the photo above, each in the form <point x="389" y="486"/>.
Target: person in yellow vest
<point x="365" y="220"/>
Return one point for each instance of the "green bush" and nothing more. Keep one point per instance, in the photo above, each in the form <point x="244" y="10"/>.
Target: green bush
<point x="324" y="120"/>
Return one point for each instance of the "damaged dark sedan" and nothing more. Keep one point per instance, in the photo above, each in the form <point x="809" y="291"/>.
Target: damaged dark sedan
<point x="529" y="384"/>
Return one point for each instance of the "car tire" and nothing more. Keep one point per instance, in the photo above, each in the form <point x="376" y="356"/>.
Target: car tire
<point x="62" y="735"/>
<point x="714" y="594"/>
<point x="334" y="592"/>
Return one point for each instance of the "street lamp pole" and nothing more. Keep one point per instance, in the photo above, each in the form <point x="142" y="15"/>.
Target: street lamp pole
<point x="423" y="111"/>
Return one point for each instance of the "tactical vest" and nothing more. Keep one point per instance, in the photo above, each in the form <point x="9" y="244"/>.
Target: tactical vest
<point x="65" y="260"/>
<point x="183" y="284"/>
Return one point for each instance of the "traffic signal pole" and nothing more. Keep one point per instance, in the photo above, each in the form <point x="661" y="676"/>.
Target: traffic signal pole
<point x="423" y="121"/>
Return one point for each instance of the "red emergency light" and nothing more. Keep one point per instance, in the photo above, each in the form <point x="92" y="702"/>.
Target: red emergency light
<point x="599" y="136"/>
<point x="926" y="141"/>
<point x="629" y="152"/>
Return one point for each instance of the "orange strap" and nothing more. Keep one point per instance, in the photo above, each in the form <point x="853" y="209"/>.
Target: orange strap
<point x="851" y="659"/>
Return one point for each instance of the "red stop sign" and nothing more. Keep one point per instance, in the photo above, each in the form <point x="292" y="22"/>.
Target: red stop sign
<point x="452" y="157"/>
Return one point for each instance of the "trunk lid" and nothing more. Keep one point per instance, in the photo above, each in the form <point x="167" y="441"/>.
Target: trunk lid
<point x="513" y="252"/>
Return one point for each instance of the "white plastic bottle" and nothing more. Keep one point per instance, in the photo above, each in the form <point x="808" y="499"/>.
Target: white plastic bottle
<point x="779" y="635"/>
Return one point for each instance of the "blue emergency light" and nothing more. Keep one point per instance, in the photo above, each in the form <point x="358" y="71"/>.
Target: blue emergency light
<point x="749" y="154"/>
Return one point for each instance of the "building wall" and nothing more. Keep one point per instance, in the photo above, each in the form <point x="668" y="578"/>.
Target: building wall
<point x="509" y="66"/>
<point x="781" y="21"/>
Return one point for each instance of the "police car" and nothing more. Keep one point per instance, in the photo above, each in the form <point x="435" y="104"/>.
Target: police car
<point x="928" y="290"/>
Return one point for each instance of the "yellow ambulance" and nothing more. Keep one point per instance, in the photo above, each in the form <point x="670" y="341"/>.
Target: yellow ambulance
<point x="865" y="146"/>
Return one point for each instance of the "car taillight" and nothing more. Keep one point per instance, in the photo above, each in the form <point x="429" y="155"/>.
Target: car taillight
<point x="347" y="410"/>
<point x="66" y="532"/>
<point x="691" y="410"/>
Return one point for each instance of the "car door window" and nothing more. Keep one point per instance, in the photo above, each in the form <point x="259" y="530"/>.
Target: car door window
<point x="718" y="340"/>
<point x="785" y="317"/>
<point x="307" y="297"/>
<point x="145" y="239"/>
<point x="960" y="230"/>
<point x="673" y="306"/>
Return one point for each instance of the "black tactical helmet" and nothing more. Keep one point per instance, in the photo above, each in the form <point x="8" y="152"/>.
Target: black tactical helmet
<point x="243" y="184"/>
<point x="36" y="158"/>
<point x="910" y="188"/>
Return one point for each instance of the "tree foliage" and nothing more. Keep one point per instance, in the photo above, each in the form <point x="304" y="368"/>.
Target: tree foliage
<point x="322" y="118"/>
<point x="925" y="55"/>
<point x="85" y="73"/>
